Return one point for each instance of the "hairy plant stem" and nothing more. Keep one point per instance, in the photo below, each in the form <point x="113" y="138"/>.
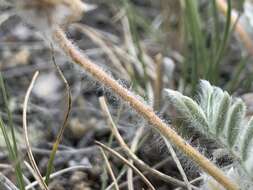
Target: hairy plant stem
<point x="144" y="110"/>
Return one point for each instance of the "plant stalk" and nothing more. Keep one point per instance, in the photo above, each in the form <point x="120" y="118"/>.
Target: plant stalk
<point x="144" y="110"/>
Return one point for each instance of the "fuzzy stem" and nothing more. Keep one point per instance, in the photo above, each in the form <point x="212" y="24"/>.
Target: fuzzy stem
<point x="142" y="109"/>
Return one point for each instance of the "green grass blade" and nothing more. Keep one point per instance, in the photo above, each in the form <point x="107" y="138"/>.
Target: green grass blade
<point x="224" y="41"/>
<point x="13" y="151"/>
<point x="13" y="157"/>
<point x="233" y="83"/>
<point x="10" y="119"/>
<point x="215" y="14"/>
<point x="65" y="120"/>
<point x="193" y="24"/>
<point x="215" y="40"/>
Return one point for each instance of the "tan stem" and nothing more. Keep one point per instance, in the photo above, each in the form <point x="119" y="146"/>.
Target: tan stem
<point x="125" y="161"/>
<point x="37" y="174"/>
<point x="144" y="110"/>
<point x="109" y="168"/>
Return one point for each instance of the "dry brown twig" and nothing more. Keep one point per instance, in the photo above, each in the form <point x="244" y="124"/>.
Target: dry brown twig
<point x="36" y="173"/>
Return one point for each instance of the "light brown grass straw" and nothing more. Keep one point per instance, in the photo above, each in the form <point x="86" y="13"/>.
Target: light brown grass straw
<point x="134" y="146"/>
<point x="96" y="37"/>
<point x="58" y="173"/>
<point x="144" y="110"/>
<point x="113" y="152"/>
<point x="129" y="152"/>
<point x="37" y="174"/>
<point x="5" y="183"/>
<point x="109" y="169"/>
<point x="177" y="161"/>
<point x="239" y="29"/>
<point x="158" y="82"/>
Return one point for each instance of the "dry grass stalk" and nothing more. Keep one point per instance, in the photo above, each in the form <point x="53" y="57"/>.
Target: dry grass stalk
<point x="144" y="110"/>
<point x="127" y="150"/>
<point x="108" y="165"/>
<point x="6" y="183"/>
<point x="242" y="33"/>
<point x="37" y="173"/>
<point x="158" y="82"/>
<point x="134" y="146"/>
<point x="145" y="180"/>
<point x="32" y="171"/>
<point x="58" y="173"/>
<point x="177" y="161"/>
<point x="158" y="165"/>
<point x="97" y="38"/>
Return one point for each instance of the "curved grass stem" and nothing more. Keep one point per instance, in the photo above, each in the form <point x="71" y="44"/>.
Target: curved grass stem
<point x="37" y="173"/>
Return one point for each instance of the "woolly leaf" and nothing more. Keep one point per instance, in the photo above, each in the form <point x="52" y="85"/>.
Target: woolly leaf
<point x="217" y="115"/>
<point x="198" y="118"/>
<point x="204" y="98"/>
<point x="222" y="114"/>
<point x="247" y="141"/>
<point x="175" y="98"/>
<point x="188" y="109"/>
<point x="215" y="103"/>
<point x="234" y="121"/>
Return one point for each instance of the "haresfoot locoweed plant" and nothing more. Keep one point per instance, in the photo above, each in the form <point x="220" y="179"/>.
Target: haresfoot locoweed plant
<point x="194" y="112"/>
<point x="222" y="118"/>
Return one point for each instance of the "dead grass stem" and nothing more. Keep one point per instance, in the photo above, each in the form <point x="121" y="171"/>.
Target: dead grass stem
<point x="36" y="172"/>
<point x="113" y="152"/>
<point x="108" y="165"/>
<point x="239" y="29"/>
<point x="131" y="154"/>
